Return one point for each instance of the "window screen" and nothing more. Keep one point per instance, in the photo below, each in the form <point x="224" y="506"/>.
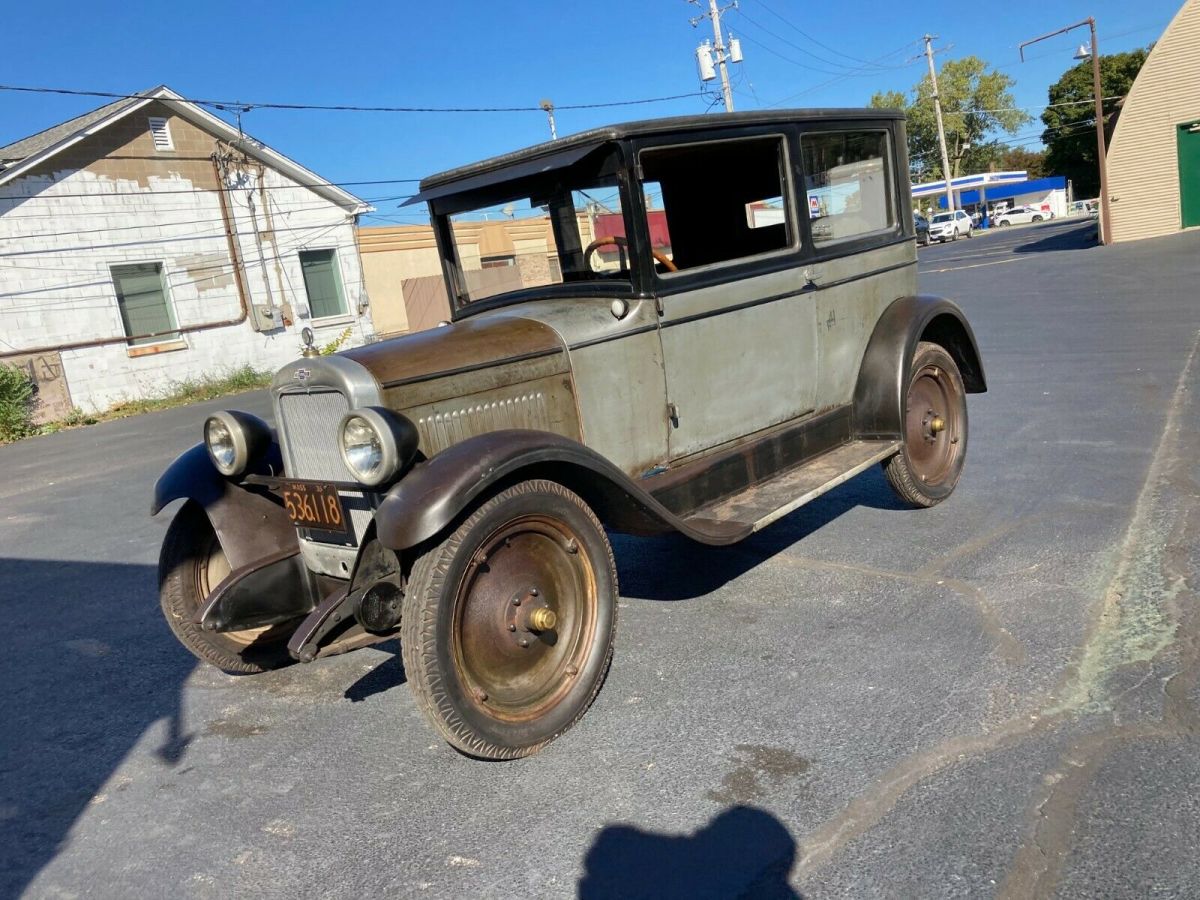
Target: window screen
<point x="717" y="202"/>
<point x="322" y="284"/>
<point x="142" y="300"/>
<point x="847" y="181"/>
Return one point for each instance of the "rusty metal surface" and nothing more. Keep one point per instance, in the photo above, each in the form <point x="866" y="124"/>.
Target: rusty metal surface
<point x="463" y="346"/>
<point x="527" y="575"/>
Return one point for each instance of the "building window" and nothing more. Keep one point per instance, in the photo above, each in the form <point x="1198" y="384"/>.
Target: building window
<point x="142" y="299"/>
<point x="160" y="131"/>
<point x="322" y="283"/>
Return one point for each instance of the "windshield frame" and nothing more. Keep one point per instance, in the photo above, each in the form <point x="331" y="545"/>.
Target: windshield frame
<point x="608" y="160"/>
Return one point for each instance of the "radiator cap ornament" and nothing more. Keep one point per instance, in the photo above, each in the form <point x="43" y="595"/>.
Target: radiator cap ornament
<point x="309" y="350"/>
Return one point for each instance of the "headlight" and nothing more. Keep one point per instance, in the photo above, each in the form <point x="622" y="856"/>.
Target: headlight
<point x="377" y="444"/>
<point x="235" y="440"/>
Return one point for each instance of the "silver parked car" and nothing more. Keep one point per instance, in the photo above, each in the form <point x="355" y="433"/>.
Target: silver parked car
<point x="650" y="350"/>
<point x="1020" y="215"/>
<point x="950" y="226"/>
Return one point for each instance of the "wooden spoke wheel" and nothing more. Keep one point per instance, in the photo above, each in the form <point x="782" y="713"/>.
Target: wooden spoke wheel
<point x="930" y="461"/>
<point x="508" y="623"/>
<point x="190" y="566"/>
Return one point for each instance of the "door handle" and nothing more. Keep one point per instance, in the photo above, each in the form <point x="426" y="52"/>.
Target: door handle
<point x="811" y="278"/>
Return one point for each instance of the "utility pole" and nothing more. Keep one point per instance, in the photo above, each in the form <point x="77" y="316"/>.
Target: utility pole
<point x="704" y="51"/>
<point x="937" y="109"/>
<point x="1098" y="101"/>
<point x="548" y="106"/>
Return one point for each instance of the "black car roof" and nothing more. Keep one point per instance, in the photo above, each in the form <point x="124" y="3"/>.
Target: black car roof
<point x="584" y="142"/>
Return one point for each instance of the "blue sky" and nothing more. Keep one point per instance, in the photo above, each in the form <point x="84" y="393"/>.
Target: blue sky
<point x="463" y="53"/>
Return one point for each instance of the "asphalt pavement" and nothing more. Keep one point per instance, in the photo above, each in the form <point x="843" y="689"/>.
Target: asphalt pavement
<point x="995" y="697"/>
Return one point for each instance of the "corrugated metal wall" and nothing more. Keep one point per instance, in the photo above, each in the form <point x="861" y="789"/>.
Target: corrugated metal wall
<point x="1143" y="166"/>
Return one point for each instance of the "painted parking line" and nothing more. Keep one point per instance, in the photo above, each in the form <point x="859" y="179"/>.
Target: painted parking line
<point x="997" y="262"/>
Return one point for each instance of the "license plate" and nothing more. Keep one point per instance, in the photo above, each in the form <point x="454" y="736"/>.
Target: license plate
<point x="312" y="504"/>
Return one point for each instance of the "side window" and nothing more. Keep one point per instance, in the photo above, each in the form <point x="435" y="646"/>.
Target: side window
<point x="142" y="299"/>
<point x="322" y="283"/>
<point x="717" y="202"/>
<point x="847" y="178"/>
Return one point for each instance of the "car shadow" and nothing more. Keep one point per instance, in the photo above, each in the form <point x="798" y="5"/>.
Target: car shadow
<point x="743" y="852"/>
<point x="385" y="676"/>
<point x="1067" y="236"/>
<point x="671" y="567"/>
<point x="89" y="668"/>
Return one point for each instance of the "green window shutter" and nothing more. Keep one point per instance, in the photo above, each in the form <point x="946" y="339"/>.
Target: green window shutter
<point x="322" y="283"/>
<point x="143" y="303"/>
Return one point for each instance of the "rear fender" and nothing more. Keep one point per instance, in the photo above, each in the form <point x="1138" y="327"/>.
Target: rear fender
<point x="883" y="375"/>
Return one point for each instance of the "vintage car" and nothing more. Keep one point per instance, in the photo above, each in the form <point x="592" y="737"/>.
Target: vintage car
<point x="694" y="325"/>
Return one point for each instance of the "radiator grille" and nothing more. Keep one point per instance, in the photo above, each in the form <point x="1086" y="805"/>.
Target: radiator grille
<point x="309" y="423"/>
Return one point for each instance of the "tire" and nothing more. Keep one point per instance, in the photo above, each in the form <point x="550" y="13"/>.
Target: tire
<point x="494" y="683"/>
<point x="190" y="565"/>
<point x="955" y="238"/>
<point x="1004" y="223"/>
<point x="934" y="448"/>
<point x="970" y="232"/>
<point x="1037" y="218"/>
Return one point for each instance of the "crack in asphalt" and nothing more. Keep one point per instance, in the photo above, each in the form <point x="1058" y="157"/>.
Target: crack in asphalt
<point x="1141" y="615"/>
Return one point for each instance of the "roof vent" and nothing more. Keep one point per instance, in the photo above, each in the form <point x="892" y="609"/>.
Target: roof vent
<point x="161" y="133"/>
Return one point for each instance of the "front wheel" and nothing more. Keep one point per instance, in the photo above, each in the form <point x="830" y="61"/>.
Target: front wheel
<point x="1037" y="218"/>
<point x="930" y="461"/>
<point x="508" y="623"/>
<point x="190" y="566"/>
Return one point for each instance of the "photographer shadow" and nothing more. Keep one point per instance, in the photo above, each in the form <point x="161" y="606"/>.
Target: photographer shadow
<point x="743" y="852"/>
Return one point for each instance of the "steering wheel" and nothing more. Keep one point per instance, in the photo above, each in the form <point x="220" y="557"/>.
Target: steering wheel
<point x="622" y="244"/>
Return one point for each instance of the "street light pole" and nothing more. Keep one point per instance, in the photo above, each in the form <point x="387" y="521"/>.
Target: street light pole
<point x="1098" y="100"/>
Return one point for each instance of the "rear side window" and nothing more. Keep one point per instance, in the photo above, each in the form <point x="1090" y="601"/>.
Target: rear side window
<point x="847" y="178"/>
<point x="717" y="202"/>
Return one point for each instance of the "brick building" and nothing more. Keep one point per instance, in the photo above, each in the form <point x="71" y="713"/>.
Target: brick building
<point x="149" y="241"/>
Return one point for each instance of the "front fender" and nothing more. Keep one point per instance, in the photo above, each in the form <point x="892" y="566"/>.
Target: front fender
<point x="249" y="523"/>
<point x="433" y="493"/>
<point x="883" y="375"/>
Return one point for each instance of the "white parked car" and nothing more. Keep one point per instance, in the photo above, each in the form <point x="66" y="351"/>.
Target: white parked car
<point x="949" y="226"/>
<point x="1020" y="215"/>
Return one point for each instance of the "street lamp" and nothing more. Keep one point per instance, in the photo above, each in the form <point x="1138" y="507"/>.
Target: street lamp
<point x="1092" y="50"/>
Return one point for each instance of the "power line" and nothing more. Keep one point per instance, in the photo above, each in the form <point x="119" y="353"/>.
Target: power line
<point x="824" y="46"/>
<point x="862" y="64"/>
<point x="838" y="78"/>
<point x="248" y="106"/>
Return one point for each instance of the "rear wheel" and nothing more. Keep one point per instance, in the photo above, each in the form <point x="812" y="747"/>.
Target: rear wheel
<point x="190" y="566"/>
<point x="930" y="461"/>
<point x="508" y="623"/>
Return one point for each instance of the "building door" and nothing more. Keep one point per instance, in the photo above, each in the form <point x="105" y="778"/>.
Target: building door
<point x="1189" y="173"/>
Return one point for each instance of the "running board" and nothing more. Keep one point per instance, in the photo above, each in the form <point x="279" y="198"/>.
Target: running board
<point x="761" y="504"/>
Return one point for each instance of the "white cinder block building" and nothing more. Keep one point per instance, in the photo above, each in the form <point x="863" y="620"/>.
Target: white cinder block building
<point x="148" y="242"/>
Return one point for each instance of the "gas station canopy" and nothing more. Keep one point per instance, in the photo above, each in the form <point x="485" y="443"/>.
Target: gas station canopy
<point x="968" y="182"/>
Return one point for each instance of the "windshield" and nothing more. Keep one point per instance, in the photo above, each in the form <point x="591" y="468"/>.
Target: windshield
<point x="942" y="217"/>
<point x="565" y="226"/>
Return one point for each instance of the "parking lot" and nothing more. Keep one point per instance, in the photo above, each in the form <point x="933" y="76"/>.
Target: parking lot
<point x="997" y="696"/>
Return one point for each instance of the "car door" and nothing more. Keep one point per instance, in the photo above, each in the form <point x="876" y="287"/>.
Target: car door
<point x="861" y="256"/>
<point x="737" y="321"/>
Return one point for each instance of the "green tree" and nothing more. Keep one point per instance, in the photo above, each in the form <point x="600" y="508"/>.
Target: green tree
<point x="976" y="103"/>
<point x="1070" y="135"/>
<point x="1014" y="159"/>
